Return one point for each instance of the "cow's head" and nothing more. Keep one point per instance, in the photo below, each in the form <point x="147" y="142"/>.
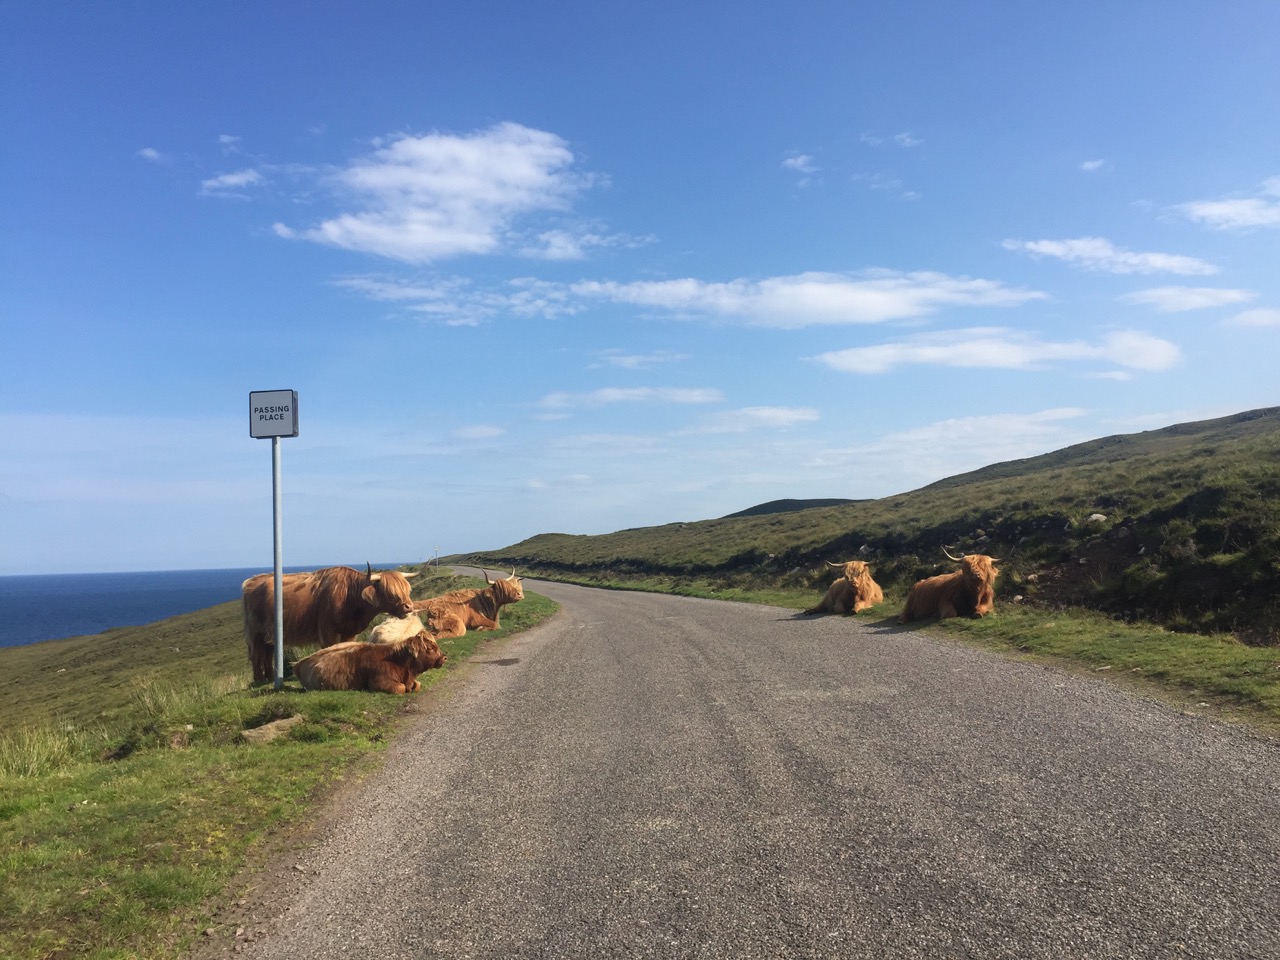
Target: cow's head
<point x="978" y="570"/>
<point x="388" y="592"/>
<point x="853" y="569"/>
<point x="427" y="654"/>
<point x="506" y="590"/>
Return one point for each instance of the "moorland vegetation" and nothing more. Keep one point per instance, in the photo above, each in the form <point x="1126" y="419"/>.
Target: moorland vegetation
<point x="1177" y="527"/>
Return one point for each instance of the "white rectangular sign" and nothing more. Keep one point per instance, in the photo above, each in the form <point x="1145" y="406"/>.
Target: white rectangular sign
<point x="273" y="413"/>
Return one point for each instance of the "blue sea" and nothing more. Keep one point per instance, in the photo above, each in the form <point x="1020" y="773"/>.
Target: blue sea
<point x="52" y="606"/>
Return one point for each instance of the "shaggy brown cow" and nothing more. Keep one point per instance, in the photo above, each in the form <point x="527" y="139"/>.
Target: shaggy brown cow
<point x="453" y="613"/>
<point x="851" y="593"/>
<point x="381" y="668"/>
<point x="326" y="606"/>
<point x="968" y="592"/>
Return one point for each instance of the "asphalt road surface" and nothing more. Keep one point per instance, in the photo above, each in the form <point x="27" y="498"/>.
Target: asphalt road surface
<point x="650" y="776"/>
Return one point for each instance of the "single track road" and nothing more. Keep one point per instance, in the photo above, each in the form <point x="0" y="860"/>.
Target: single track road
<point x="654" y="776"/>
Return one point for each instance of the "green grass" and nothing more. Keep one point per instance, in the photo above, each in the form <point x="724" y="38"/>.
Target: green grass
<point x="129" y="800"/>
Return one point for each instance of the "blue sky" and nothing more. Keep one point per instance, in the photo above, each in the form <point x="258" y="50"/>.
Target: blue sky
<point x="578" y="267"/>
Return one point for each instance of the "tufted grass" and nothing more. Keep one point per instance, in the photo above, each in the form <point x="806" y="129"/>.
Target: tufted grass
<point x="129" y="800"/>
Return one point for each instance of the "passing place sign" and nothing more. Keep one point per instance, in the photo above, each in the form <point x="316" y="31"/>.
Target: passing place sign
<point x="273" y="413"/>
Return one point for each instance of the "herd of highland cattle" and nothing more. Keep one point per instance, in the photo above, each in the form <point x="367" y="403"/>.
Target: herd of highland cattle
<point x="330" y="607"/>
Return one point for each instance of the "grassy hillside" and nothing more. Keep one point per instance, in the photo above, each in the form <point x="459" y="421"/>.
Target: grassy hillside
<point x="1179" y="526"/>
<point x="132" y="791"/>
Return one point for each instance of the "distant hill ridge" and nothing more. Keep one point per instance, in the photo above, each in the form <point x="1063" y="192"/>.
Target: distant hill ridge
<point x="1122" y="446"/>
<point x="787" y="506"/>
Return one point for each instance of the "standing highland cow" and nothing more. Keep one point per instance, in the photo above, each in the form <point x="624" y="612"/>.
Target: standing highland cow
<point x="853" y="592"/>
<point x="968" y="592"/>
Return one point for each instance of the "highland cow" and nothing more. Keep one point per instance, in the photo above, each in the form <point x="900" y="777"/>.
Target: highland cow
<point x="853" y="592"/>
<point x="381" y="668"/>
<point x="453" y="613"/>
<point x="968" y="592"/>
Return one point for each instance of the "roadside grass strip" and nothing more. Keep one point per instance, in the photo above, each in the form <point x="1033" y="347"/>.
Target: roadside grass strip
<point x="118" y="833"/>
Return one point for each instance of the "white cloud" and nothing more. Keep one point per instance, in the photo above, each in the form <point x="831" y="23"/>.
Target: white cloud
<point x="1239" y="213"/>
<point x="1091" y="166"/>
<point x="812" y="298"/>
<point x="420" y="199"/>
<point x="455" y="301"/>
<point x="905" y="459"/>
<point x="779" y="302"/>
<point x="1262" y="317"/>
<point x="904" y="139"/>
<point x="1002" y="348"/>
<point x="1096" y="253"/>
<point x="230" y="184"/>
<point x="638" y="361"/>
<point x="1181" y="299"/>
<point x="683" y="395"/>
<point x="800" y="163"/>
<point x="753" y="418"/>
<point x="152" y="154"/>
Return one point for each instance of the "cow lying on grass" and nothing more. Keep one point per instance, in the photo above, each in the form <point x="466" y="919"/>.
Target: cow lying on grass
<point x="382" y="668"/>
<point x="851" y="593"/>
<point x="454" y="613"/>
<point x="968" y="592"/>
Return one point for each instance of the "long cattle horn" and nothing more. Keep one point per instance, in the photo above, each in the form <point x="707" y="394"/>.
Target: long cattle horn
<point x="486" y="575"/>
<point x="368" y="572"/>
<point x="949" y="557"/>
<point x="830" y="564"/>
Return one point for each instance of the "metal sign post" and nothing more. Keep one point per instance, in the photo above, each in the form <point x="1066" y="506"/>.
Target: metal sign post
<point x="274" y="414"/>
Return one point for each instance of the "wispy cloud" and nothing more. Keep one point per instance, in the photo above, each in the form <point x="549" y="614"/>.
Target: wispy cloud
<point x="231" y="184"/>
<point x="1181" y="299"/>
<point x="903" y="139"/>
<point x="800" y="163"/>
<point x="807" y="299"/>
<point x="639" y="361"/>
<point x="1261" y="317"/>
<point x="789" y="302"/>
<point x="1092" y="166"/>
<point x="1096" y="253"/>
<point x="1262" y="209"/>
<point x="1003" y="348"/>
<point x="421" y="199"/>
<point x="905" y="458"/>
<point x="754" y="418"/>
<point x="562" y="400"/>
<point x="152" y="154"/>
<point x="456" y="301"/>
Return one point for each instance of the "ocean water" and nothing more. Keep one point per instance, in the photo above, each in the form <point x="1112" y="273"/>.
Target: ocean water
<point x="52" y="606"/>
